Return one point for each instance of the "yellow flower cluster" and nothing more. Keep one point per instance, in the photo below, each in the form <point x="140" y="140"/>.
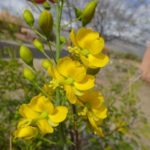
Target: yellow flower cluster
<point x="40" y="115"/>
<point x="70" y="75"/>
<point x="88" y="46"/>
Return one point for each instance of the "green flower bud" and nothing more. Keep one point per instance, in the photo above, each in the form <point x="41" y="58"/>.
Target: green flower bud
<point x="62" y="39"/>
<point x="46" y="23"/>
<point x="46" y="5"/>
<point x="28" y="74"/>
<point x="39" y="45"/>
<point x="46" y="64"/>
<point x="28" y="17"/>
<point x="88" y="12"/>
<point x="26" y="55"/>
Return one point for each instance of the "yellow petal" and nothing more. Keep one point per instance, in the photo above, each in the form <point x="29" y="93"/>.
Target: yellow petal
<point x="24" y="123"/>
<point x="44" y="126"/>
<point x="71" y="69"/>
<point x="70" y="94"/>
<point x="95" y="61"/>
<point x="27" y="112"/>
<point x="94" y="99"/>
<point x="55" y="74"/>
<point x="97" y="130"/>
<point x="73" y="37"/>
<point x="101" y="112"/>
<point x="41" y="104"/>
<point x="95" y="46"/>
<point x="86" y="84"/>
<point x="26" y="132"/>
<point x="59" y="114"/>
<point x="85" y="35"/>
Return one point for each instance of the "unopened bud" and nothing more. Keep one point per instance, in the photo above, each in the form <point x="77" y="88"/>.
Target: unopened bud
<point x="46" y="5"/>
<point x="28" y="17"/>
<point x="88" y="12"/>
<point x="62" y="39"/>
<point x="39" y="45"/>
<point x="28" y="74"/>
<point x="26" y="55"/>
<point x="46" y="23"/>
<point x="46" y="64"/>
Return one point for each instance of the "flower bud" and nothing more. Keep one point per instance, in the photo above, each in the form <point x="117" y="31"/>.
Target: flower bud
<point x="88" y="12"/>
<point x="46" y="64"/>
<point x="28" y="17"/>
<point x="28" y="74"/>
<point x="39" y="45"/>
<point x="26" y="55"/>
<point x="62" y="39"/>
<point x="46" y="23"/>
<point x="46" y="5"/>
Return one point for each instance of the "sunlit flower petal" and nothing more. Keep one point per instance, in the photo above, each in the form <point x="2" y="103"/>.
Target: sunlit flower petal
<point x="27" y="112"/>
<point x="59" y="114"/>
<point x="86" y="84"/>
<point x="40" y="104"/>
<point x="44" y="126"/>
<point x="26" y="132"/>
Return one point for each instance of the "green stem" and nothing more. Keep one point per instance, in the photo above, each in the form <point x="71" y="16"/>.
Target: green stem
<point x="59" y="8"/>
<point x="50" y="48"/>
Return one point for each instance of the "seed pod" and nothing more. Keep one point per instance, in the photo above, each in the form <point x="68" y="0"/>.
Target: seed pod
<point x="28" y="74"/>
<point x="88" y="12"/>
<point x="26" y="55"/>
<point x="39" y="45"/>
<point x="28" y="17"/>
<point x="46" y="23"/>
<point x="46" y="64"/>
<point x="46" y="5"/>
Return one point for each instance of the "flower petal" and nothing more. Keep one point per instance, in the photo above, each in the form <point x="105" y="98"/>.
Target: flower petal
<point x="73" y="37"/>
<point x="70" y="94"/>
<point x="41" y="104"/>
<point x="44" y="126"/>
<point x="94" y="99"/>
<point x="95" y="46"/>
<point x="95" y="61"/>
<point x="101" y="112"/>
<point x="59" y="114"/>
<point x="86" y="84"/>
<point x="27" y="112"/>
<point x="26" y="132"/>
<point x="97" y="130"/>
<point x="71" y="69"/>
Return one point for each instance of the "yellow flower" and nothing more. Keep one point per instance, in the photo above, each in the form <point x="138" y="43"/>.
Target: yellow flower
<point x="88" y="45"/>
<point x="27" y="132"/>
<point x="42" y="113"/>
<point x="71" y="75"/>
<point x="93" y="109"/>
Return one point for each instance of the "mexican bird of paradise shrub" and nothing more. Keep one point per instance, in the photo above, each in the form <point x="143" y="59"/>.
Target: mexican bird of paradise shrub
<point x="68" y="97"/>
